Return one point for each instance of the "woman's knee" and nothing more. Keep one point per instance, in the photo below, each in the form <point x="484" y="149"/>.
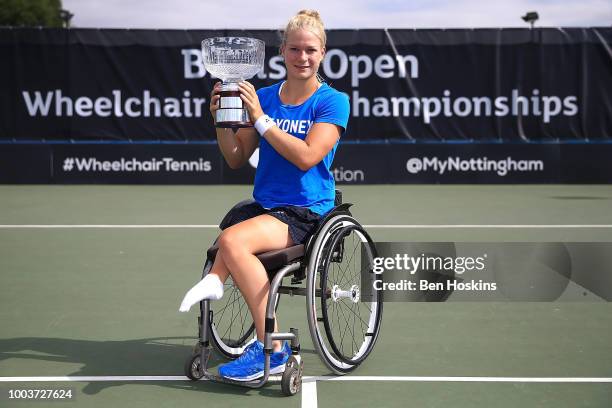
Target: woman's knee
<point x="256" y="235"/>
<point x="230" y="243"/>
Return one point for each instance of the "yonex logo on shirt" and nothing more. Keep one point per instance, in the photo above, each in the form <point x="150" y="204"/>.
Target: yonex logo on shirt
<point x="294" y="125"/>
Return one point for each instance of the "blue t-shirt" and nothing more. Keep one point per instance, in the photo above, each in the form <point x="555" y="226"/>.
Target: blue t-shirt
<point x="278" y="182"/>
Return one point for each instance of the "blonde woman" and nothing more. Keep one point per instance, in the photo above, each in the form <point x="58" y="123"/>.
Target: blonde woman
<point x="298" y="124"/>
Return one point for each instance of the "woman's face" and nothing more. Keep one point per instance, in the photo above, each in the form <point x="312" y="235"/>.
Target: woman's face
<point x="303" y="54"/>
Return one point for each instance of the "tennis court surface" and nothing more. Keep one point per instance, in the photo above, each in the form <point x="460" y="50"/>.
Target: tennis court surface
<point x="91" y="278"/>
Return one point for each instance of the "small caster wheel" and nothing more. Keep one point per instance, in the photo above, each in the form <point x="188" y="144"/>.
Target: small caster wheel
<point x="193" y="367"/>
<point x="291" y="362"/>
<point x="291" y="383"/>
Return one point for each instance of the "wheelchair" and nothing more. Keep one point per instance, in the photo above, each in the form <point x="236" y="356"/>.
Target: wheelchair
<point x="344" y="323"/>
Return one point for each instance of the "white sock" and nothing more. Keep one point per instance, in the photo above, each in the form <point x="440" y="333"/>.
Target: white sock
<point x="210" y="287"/>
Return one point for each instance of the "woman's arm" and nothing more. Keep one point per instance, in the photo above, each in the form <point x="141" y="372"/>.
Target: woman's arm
<point x="304" y="154"/>
<point x="236" y="147"/>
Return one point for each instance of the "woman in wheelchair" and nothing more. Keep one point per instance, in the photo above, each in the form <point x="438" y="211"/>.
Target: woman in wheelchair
<point x="298" y="124"/>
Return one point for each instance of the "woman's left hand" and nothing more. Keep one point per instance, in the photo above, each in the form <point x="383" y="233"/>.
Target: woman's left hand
<point x="250" y="99"/>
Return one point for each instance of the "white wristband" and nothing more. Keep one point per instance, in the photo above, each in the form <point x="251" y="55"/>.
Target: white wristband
<point x="263" y="124"/>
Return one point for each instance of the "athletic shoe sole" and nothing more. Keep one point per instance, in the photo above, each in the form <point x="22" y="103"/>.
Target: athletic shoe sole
<point x="275" y="370"/>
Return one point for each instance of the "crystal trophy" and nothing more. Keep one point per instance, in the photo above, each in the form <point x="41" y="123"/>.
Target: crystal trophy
<point x="232" y="59"/>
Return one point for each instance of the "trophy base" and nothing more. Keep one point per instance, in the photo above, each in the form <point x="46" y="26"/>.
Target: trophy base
<point x="232" y="112"/>
<point x="233" y="125"/>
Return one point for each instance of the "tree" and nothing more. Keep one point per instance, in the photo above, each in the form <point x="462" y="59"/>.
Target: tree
<point x="31" y="13"/>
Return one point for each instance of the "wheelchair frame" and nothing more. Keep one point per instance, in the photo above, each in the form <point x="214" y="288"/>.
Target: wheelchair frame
<point x="325" y="247"/>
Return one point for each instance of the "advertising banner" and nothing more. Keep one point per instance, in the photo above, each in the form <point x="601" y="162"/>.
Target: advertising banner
<point x="355" y="163"/>
<point x="486" y="85"/>
<point x="136" y="164"/>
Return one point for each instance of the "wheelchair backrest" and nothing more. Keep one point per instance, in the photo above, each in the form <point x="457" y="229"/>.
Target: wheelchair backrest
<point x="228" y="219"/>
<point x="338" y="198"/>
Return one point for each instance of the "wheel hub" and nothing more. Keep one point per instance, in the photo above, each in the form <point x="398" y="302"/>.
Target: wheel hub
<point x="353" y="293"/>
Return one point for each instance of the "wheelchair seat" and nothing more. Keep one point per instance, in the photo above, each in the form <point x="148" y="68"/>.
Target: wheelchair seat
<point x="271" y="260"/>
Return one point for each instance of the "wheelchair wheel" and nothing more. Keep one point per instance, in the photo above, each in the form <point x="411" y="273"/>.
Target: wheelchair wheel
<point x="230" y="325"/>
<point x="344" y="326"/>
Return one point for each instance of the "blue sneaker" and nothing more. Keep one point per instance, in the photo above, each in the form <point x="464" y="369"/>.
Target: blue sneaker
<point x="250" y="365"/>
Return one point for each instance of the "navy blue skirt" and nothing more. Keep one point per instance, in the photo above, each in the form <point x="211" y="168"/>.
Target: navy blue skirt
<point x="302" y="222"/>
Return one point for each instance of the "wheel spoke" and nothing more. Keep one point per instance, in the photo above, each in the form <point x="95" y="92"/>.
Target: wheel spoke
<point x="341" y="280"/>
<point x="359" y="317"/>
<point x="348" y="326"/>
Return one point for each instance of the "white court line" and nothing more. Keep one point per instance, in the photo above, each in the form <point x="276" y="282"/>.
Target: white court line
<point x="389" y="226"/>
<point x="309" y="394"/>
<point x="118" y="226"/>
<point x="94" y="378"/>
<point x="517" y="226"/>
<point x="313" y="379"/>
<point x="470" y="379"/>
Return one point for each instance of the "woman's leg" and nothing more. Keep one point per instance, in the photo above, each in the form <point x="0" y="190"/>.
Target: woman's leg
<point x="238" y="245"/>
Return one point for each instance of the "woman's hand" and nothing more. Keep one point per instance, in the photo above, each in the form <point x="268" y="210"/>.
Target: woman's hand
<point x="250" y="99"/>
<point x="214" y="101"/>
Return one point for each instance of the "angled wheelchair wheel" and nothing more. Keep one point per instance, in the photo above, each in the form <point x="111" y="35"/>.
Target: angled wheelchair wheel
<point x="231" y="326"/>
<point x="344" y="325"/>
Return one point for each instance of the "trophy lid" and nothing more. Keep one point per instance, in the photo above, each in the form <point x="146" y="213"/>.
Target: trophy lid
<point x="233" y="59"/>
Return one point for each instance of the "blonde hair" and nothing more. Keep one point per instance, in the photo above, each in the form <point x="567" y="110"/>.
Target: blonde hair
<point x="308" y="20"/>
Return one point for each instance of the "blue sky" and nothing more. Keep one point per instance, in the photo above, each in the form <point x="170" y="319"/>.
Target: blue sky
<point x="273" y="14"/>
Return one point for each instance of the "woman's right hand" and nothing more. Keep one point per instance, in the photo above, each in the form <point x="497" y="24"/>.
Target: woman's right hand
<point x="214" y="101"/>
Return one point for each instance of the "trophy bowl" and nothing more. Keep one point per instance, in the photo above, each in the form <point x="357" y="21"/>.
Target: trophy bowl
<point x="232" y="60"/>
